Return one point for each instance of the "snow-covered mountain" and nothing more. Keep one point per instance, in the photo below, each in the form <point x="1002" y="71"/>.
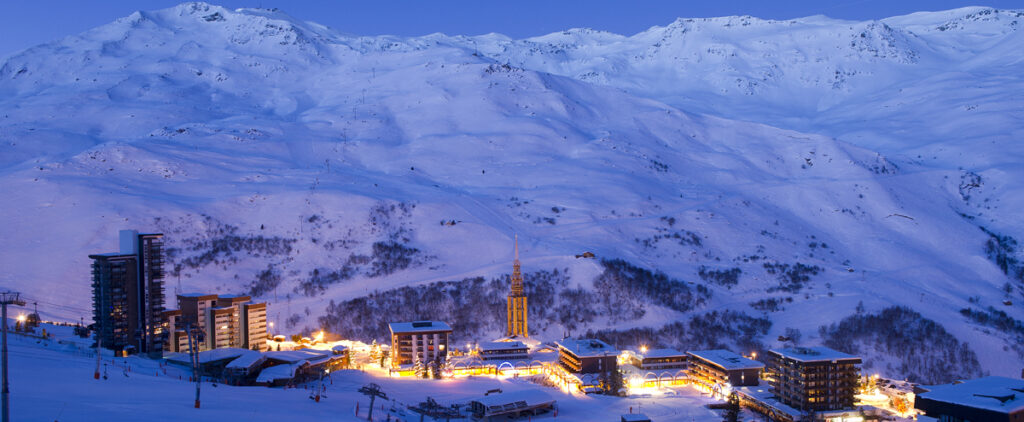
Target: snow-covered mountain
<point x="741" y="182"/>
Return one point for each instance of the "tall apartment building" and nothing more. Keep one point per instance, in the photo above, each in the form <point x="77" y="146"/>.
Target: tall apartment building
<point x="171" y="320"/>
<point x="128" y="294"/>
<point x="193" y="307"/>
<point x="225" y="321"/>
<point x="814" y="378"/>
<point x="220" y="327"/>
<point x="418" y="342"/>
<point x="254" y="326"/>
<point x="236" y="303"/>
<point x="114" y="296"/>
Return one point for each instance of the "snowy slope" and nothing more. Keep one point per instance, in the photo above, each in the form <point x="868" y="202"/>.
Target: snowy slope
<point x="311" y="167"/>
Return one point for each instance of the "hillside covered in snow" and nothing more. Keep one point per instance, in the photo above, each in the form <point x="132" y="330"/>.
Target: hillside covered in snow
<point x="741" y="182"/>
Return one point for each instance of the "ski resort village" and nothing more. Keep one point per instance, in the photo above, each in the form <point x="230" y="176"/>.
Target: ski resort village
<point x="239" y="214"/>
<point x="223" y="346"/>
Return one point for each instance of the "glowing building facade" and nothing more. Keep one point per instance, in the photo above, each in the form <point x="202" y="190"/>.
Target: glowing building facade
<point x="517" y="307"/>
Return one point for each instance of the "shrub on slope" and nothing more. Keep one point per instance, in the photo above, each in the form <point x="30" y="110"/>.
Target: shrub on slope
<point x="921" y="349"/>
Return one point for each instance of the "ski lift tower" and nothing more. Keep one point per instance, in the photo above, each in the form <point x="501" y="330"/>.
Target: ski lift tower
<point x="7" y="298"/>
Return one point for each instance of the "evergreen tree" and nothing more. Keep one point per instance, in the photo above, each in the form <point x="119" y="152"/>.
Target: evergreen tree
<point x="436" y="367"/>
<point x="616" y="383"/>
<point x="732" y="412"/>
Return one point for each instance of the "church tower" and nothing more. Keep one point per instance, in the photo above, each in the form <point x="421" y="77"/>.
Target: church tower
<point x="517" y="301"/>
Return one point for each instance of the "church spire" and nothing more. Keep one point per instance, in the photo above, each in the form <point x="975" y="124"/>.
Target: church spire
<point x="517" y="276"/>
<point x="517" y="300"/>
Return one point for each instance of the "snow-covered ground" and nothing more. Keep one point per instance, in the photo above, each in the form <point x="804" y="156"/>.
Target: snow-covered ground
<point x="311" y="167"/>
<point x="52" y="381"/>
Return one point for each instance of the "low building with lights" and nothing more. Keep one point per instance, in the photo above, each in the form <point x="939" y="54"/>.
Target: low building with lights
<point x="212" y="363"/>
<point x="656" y="359"/>
<point x="993" y="398"/>
<point x="814" y="379"/>
<point x="511" y="351"/>
<point x="422" y="342"/>
<point x="719" y="370"/>
<point x="295" y="366"/>
<point x="653" y="368"/>
<point x="587" y="356"/>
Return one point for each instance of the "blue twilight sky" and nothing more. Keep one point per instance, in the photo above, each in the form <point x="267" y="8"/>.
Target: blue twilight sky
<point x="25" y="23"/>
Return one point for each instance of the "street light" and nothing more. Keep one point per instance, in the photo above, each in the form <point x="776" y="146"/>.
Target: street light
<point x="643" y="350"/>
<point x="21" y="318"/>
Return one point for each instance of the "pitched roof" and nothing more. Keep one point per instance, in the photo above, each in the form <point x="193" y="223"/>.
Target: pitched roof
<point x="531" y="397"/>
<point x="247" y="360"/>
<point x="296" y="356"/>
<point x="279" y="372"/>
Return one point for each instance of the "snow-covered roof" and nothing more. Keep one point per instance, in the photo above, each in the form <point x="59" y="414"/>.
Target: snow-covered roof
<point x="418" y="326"/>
<point x="634" y="417"/>
<point x="339" y="348"/>
<point x="528" y="341"/>
<point x="662" y="353"/>
<point x="208" y="356"/>
<point x="295" y="356"/>
<point x="193" y="294"/>
<point x="182" y="358"/>
<point x="587" y="347"/>
<point x="319" y="360"/>
<point x="813" y="354"/>
<point x="247" y="360"/>
<point x="279" y="372"/>
<point x="998" y="394"/>
<point x="502" y="345"/>
<point x="223" y="353"/>
<point x="113" y="254"/>
<point x="726" y="359"/>
<point x="768" y="398"/>
<point x="531" y="397"/>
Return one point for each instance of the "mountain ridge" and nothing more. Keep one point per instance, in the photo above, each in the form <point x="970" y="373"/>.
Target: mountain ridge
<point x="314" y="169"/>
